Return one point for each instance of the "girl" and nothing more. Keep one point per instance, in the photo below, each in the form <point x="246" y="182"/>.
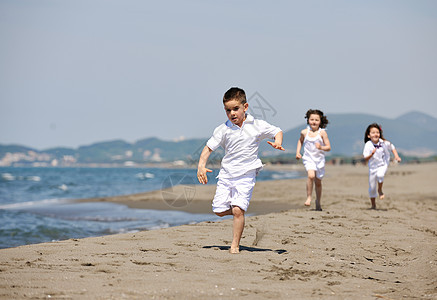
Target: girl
<point x="315" y="141"/>
<point x="377" y="153"/>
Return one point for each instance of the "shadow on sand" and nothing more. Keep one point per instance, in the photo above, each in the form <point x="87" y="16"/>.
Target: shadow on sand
<point x="245" y="248"/>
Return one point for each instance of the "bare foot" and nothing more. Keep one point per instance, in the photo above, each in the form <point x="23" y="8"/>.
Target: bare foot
<point x="381" y="194"/>
<point x="234" y="250"/>
<point x="308" y="202"/>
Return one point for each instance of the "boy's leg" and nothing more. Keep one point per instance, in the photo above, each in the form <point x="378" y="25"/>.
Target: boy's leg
<point x="310" y="181"/>
<point x="238" y="227"/>
<point x="318" y="183"/>
<point x="224" y="213"/>
<point x="221" y="201"/>
<point x="240" y="202"/>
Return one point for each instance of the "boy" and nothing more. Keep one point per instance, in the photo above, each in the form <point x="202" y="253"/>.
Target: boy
<point x="240" y="136"/>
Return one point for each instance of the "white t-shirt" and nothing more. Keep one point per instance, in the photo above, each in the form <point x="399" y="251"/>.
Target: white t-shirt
<point x="241" y="145"/>
<point x="382" y="154"/>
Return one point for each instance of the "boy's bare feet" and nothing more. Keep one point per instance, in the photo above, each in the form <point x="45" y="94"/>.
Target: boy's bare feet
<point x="234" y="250"/>
<point x="308" y="202"/>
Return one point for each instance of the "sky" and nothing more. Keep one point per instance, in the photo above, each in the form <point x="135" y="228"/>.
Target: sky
<point x="76" y="72"/>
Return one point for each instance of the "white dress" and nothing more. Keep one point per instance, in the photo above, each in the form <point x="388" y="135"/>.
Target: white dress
<point x="313" y="158"/>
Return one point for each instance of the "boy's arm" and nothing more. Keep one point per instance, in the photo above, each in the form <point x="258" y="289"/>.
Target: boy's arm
<point x="299" y="145"/>
<point x="201" y="167"/>
<point x="278" y="141"/>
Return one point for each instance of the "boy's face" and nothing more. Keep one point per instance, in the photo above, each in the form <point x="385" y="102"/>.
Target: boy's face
<point x="314" y="122"/>
<point x="374" y="135"/>
<point x="236" y="111"/>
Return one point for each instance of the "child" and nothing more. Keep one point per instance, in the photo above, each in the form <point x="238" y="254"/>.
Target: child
<point x="315" y="142"/>
<point x="240" y="137"/>
<point x="377" y="153"/>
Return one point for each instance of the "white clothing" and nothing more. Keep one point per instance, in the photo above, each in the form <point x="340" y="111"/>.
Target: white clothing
<point x="313" y="158"/>
<point x="241" y="145"/>
<point x="234" y="192"/>
<point x="382" y="154"/>
<point x="376" y="176"/>
<point x="378" y="163"/>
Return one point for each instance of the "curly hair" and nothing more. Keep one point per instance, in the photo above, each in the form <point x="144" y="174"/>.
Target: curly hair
<point x="323" y="120"/>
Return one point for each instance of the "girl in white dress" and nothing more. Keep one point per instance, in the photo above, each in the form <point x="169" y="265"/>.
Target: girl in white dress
<point x="377" y="153"/>
<point x="315" y="141"/>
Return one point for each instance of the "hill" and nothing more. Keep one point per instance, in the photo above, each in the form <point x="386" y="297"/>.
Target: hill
<point x="412" y="134"/>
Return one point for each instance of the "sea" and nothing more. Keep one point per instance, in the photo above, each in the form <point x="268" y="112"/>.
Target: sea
<point x="39" y="204"/>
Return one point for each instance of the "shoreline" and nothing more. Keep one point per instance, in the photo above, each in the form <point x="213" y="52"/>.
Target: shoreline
<point x="200" y="203"/>
<point x="269" y="196"/>
<point x="347" y="251"/>
<point x="198" y="200"/>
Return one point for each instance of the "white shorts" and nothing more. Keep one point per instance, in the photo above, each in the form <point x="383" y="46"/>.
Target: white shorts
<point x="234" y="192"/>
<point x="319" y="168"/>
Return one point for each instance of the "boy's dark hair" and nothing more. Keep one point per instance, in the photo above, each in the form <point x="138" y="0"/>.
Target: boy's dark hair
<point x="373" y="125"/>
<point x="323" y="120"/>
<point x="235" y="93"/>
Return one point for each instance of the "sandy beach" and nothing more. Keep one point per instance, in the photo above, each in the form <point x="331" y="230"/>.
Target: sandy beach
<point x="288" y="251"/>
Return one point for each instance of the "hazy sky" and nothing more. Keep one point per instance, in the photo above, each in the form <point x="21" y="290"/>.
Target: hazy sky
<point x="75" y="72"/>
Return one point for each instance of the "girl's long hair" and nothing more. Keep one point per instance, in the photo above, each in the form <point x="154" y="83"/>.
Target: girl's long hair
<point x="373" y="125"/>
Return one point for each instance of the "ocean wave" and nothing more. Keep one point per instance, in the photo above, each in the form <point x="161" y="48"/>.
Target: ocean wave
<point x="27" y="204"/>
<point x="10" y="177"/>
<point x="285" y="175"/>
<point x="160" y="226"/>
<point x="7" y="177"/>
<point x="144" y="176"/>
<point x="120" y="230"/>
<point x="63" y="187"/>
<point x="103" y="219"/>
<point x="33" y="178"/>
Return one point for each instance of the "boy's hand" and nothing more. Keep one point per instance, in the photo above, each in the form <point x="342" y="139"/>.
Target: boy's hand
<point x="201" y="175"/>
<point x="276" y="146"/>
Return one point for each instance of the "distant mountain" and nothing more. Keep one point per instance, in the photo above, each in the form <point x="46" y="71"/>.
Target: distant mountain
<point x="419" y="119"/>
<point x="60" y="152"/>
<point x="146" y="150"/>
<point x="13" y="149"/>
<point x="117" y="152"/>
<point x="412" y="133"/>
